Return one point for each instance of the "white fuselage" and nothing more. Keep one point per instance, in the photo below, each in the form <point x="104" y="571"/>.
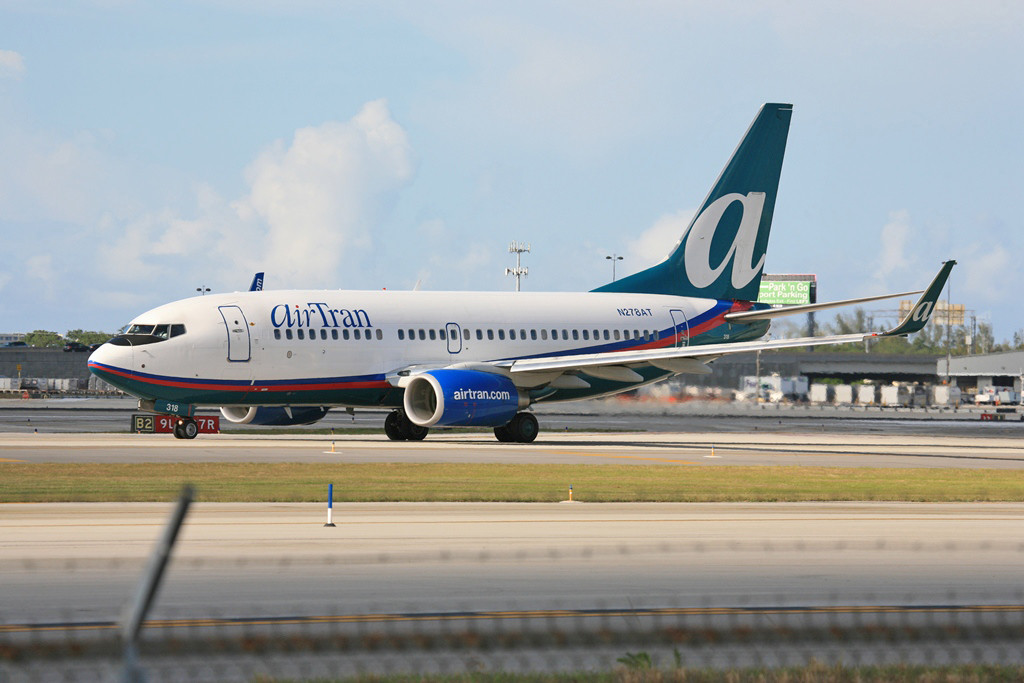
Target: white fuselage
<point x="298" y="346"/>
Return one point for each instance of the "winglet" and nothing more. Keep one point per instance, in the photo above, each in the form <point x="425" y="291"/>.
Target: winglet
<point x="257" y="283"/>
<point x="921" y="313"/>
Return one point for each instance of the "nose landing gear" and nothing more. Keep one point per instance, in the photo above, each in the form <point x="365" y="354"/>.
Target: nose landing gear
<point x="186" y="428"/>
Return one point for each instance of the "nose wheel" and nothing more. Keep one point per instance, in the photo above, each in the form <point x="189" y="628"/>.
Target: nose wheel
<point x="186" y="429"/>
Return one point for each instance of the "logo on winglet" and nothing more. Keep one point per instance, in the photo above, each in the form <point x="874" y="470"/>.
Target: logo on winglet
<point x="923" y="311"/>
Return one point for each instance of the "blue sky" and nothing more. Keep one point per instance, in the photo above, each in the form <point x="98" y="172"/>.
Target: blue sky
<point x="149" y="148"/>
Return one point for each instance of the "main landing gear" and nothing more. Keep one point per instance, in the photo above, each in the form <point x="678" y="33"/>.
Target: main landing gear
<point x="185" y="428"/>
<point x="523" y="428"/>
<point x="399" y="427"/>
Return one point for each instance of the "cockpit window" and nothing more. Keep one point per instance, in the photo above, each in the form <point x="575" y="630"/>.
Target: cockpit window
<point x="136" y="335"/>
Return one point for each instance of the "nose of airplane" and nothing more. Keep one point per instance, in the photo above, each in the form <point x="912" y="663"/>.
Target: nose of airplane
<point x="111" y="362"/>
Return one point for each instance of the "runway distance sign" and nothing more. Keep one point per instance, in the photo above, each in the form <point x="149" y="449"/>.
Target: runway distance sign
<point x="164" y="424"/>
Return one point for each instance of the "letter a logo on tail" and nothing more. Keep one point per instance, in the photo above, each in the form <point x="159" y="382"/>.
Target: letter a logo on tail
<point x="722" y="252"/>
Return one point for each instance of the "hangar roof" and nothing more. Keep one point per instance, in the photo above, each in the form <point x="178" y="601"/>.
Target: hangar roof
<point x="1009" y="363"/>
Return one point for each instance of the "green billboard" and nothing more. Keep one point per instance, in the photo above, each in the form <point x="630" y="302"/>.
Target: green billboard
<point x="785" y="292"/>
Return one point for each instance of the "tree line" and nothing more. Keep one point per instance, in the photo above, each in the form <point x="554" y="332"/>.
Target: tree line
<point x="46" y="339"/>
<point x="934" y="339"/>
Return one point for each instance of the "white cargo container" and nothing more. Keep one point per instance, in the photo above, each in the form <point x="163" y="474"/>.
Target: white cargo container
<point x="821" y="393"/>
<point x="945" y="395"/>
<point x="844" y="394"/>
<point x="867" y="394"/>
<point x="800" y="388"/>
<point x="895" y="395"/>
<point x="1008" y="397"/>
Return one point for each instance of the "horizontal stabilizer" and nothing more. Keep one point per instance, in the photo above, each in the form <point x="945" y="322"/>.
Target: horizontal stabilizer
<point x="769" y="313"/>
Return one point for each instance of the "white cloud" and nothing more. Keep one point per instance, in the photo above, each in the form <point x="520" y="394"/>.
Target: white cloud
<point x="311" y="208"/>
<point x="12" y="65"/>
<point x="317" y="199"/>
<point x="657" y="241"/>
<point x="895" y="236"/>
<point x="983" y="266"/>
<point x="40" y="267"/>
<point x="477" y="256"/>
<point x="44" y="176"/>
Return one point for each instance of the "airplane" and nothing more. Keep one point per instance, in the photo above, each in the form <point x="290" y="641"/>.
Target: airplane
<point x="481" y="359"/>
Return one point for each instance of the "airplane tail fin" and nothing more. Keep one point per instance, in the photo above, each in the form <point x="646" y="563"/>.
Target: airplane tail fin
<point x="721" y="254"/>
<point x="257" y="283"/>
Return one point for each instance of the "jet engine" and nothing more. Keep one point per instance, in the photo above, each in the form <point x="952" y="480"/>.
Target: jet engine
<point x="462" y="398"/>
<point x="273" y="415"/>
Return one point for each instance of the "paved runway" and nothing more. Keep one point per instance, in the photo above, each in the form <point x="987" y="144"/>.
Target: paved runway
<point x="628" y="566"/>
<point x="81" y="561"/>
<point x="673" y="449"/>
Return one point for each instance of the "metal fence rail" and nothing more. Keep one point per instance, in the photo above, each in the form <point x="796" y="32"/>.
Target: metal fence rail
<point x="276" y="638"/>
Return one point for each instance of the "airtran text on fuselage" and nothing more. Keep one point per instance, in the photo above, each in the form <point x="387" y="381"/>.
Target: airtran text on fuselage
<point x="318" y="314"/>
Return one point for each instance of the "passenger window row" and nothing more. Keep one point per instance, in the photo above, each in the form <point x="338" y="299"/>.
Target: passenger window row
<point x="501" y="334"/>
<point x="543" y="334"/>
<point x="344" y="334"/>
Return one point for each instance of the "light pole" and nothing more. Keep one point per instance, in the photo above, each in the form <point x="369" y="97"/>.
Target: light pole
<point x="203" y="290"/>
<point x="520" y="271"/>
<point x="613" y="258"/>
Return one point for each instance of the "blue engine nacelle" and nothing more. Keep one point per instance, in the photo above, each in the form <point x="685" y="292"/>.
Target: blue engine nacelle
<point x="462" y="398"/>
<point x="273" y="416"/>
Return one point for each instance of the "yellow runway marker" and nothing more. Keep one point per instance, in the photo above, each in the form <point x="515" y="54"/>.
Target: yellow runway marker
<point x="10" y="460"/>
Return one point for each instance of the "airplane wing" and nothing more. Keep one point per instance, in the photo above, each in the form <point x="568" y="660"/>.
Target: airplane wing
<point x="693" y="358"/>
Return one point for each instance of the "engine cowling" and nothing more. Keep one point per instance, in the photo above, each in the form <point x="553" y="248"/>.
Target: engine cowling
<point x="462" y="398"/>
<point x="273" y="416"/>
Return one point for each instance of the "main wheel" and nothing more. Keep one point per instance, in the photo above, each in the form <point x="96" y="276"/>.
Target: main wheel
<point x="416" y="432"/>
<point x="503" y="433"/>
<point x="178" y="434"/>
<point x="393" y="426"/>
<point x="189" y="429"/>
<point x="524" y="427"/>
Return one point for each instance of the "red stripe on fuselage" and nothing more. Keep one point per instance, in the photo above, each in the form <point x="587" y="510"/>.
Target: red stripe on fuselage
<point x="245" y="388"/>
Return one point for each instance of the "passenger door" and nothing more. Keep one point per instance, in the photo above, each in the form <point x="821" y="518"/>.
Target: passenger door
<point x="454" y="334"/>
<point x="681" y="328"/>
<point x="239" y="344"/>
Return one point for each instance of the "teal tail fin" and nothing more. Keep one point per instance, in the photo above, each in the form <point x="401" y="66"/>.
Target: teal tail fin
<point x="721" y="254"/>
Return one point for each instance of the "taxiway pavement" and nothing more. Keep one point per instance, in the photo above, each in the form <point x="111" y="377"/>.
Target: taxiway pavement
<point x="82" y="561"/>
<point x="633" y="448"/>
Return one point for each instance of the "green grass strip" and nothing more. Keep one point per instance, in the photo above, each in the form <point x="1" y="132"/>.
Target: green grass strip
<point x="302" y="482"/>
